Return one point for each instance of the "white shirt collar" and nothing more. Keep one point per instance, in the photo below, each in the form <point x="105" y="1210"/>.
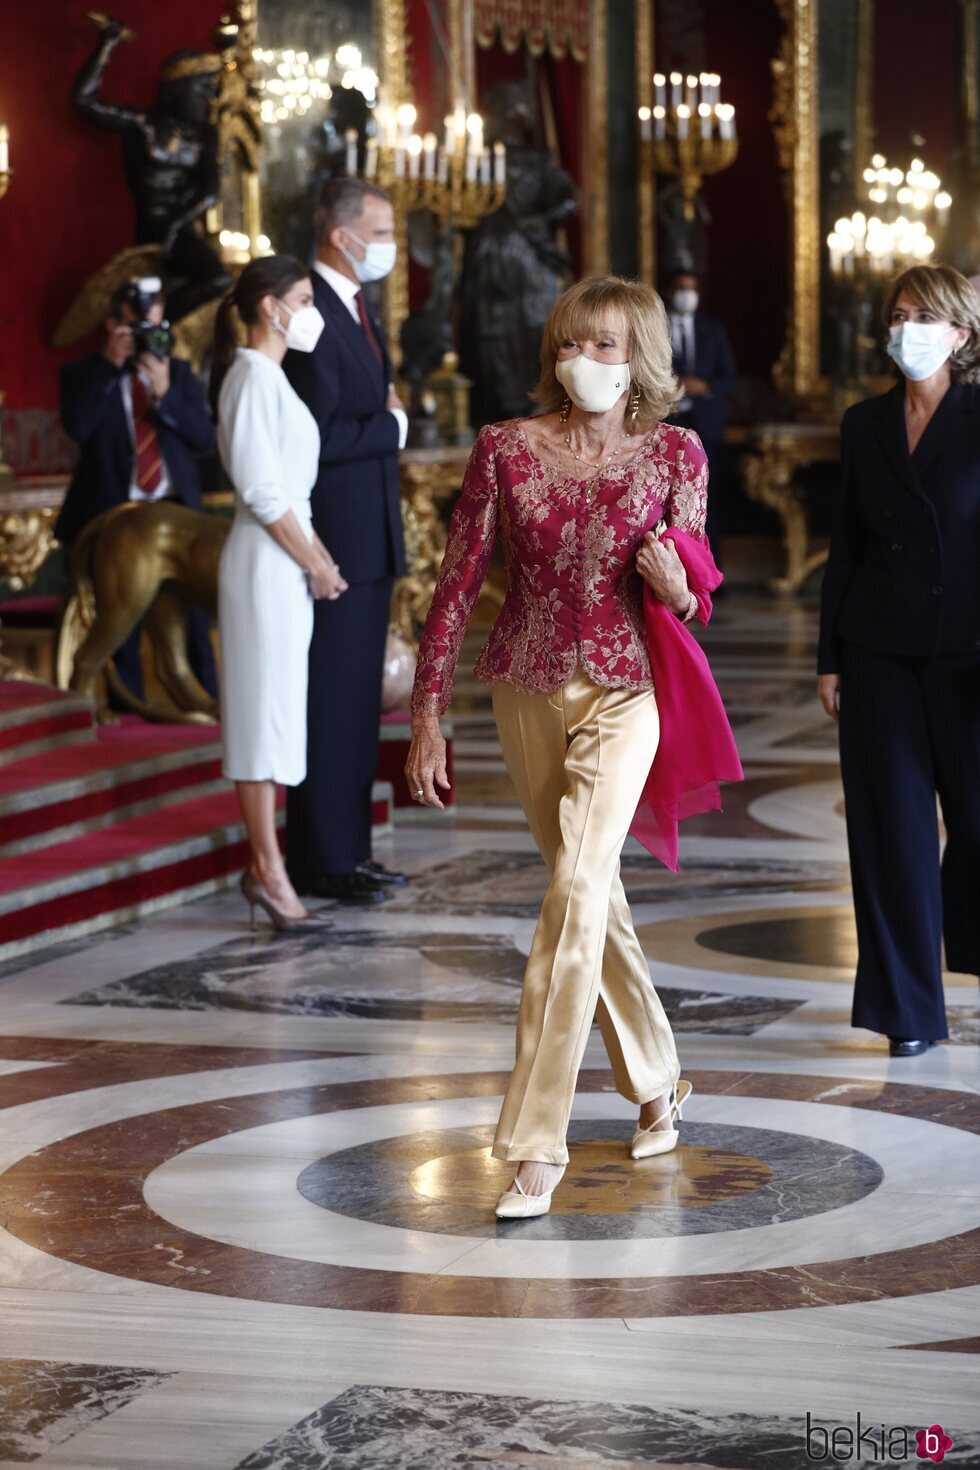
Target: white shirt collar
<point x="345" y="288"/>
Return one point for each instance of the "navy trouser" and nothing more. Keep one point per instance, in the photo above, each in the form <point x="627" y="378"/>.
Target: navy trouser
<point x="328" y="818"/>
<point x="910" y="728"/>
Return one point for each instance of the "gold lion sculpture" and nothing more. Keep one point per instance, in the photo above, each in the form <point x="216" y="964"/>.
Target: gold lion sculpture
<point x="142" y="563"/>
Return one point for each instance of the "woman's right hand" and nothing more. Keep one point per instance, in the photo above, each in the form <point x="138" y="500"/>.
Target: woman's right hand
<point x="426" y="763"/>
<point x="828" y="693"/>
<point x="325" y="579"/>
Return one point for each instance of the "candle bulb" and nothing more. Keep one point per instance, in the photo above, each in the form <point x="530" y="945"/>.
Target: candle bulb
<point x="726" y="119"/>
<point x="443" y="171"/>
<point x="485" y="166"/>
<point x="704" y="113"/>
<point x="4" y="149"/>
<point x="449" y="139"/>
<point x="676" y="82"/>
<point x="414" y="149"/>
<point x="350" y="137"/>
<point x="660" y="89"/>
<point x="499" y="163"/>
<point x="646" y="126"/>
<point x="429" y="145"/>
<point x="660" y="123"/>
<point x="399" y="161"/>
<point x="683" y="118"/>
<point x="474" y="126"/>
<point x="471" y="167"/>
<point x="371" y="159"/>
<point x="692" y="94"/>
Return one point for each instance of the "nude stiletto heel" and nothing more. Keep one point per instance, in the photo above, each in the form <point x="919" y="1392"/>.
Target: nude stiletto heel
<point x="256" y="897"/>
<point x="517" y="1204"/>
<point x="647" y="1142"/>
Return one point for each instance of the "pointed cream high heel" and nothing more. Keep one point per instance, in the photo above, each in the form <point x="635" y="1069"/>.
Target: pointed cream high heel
<point x="517" y="1204"/>
<point x="653" y="1140"/>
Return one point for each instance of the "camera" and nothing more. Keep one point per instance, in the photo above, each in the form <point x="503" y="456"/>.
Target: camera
<point x="156" y="338"/>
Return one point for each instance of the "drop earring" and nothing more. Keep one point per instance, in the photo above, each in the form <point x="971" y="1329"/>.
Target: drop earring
<point x="632" y="411"/>
<point x="565" y="410"/>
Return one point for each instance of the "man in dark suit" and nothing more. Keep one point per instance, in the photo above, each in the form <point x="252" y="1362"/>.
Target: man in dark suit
<point x="704" y="364"/>
<point x="140" y="420"/>
<point x="346" y="382"/>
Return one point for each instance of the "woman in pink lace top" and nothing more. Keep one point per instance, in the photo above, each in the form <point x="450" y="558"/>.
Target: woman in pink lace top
<point x="579" y="496"/>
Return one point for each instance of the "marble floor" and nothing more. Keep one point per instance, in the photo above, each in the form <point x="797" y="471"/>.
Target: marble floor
<point x="245" y="1189"/>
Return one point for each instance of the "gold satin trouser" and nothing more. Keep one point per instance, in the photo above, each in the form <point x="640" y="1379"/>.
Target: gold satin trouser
<point x="579" y="758"/>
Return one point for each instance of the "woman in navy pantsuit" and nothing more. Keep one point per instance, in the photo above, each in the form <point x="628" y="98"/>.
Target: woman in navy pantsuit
<point x="899" y="660"/>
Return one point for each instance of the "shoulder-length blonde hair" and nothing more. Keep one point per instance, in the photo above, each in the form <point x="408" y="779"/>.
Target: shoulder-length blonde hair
<point x="941" y="290"/>
<point x="587" y="307"/>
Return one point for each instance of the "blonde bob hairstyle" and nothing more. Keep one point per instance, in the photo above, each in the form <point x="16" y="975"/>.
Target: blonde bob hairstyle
<point x="941" y="290"/>
<point x="589" y="307"/>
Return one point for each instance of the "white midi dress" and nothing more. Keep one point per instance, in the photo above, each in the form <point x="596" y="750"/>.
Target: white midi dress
<point x="270" y="446"/>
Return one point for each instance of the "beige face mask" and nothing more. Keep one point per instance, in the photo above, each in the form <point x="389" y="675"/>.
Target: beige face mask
<point x="593" y="386"/>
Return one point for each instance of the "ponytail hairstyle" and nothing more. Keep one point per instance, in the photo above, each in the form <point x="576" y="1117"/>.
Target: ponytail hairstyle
<point x="267" y="275"/>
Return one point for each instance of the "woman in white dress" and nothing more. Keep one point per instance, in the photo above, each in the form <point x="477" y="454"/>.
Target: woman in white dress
<point x="273" y="564"/>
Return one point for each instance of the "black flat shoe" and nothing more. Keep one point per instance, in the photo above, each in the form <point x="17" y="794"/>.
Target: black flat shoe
<point x="381" y="874"/>
<point x="353" y="888"/>
<point x="907" y="1046"/>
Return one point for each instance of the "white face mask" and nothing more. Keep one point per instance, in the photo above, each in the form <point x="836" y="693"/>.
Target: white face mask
<point x="686" y="302"/>
<point x="378" y="262"/>
<point x="304" y="328"/>
<point x="920" y="348"/>
<point x="593" y="386"/>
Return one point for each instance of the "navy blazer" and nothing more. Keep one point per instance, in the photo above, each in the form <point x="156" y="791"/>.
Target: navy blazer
<point x="903" y="576"/>
<point x="93" y="413"/>
<point x="357" y="498"/>
<point x="713" y="361"/>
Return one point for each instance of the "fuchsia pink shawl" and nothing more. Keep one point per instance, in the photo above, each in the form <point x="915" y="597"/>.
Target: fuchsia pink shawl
<point x="697" y="748"/>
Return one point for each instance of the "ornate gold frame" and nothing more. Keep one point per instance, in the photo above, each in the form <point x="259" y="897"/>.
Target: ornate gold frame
<point x="646" y="223"/>
<point x="795" y="125"/>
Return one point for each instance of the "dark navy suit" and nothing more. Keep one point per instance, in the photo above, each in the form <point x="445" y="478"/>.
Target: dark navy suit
<point x="357" y="515"/>
<point x="900" y="623"/>
<point x="713" y="361"/>
<point x="93" y="414"/>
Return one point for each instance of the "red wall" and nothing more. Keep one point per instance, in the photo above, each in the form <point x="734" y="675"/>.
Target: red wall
<point x="68" y="211"/>
<point x="748" y="244"/>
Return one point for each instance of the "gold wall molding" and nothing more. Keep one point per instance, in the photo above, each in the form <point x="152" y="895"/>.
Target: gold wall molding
<point x="794" y="118"/>
<point x="646" y="222"/>
<point x="392" y="42"/>
<point x="595" y="141"/>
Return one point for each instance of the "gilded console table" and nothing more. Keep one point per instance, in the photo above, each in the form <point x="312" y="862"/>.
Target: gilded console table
<point x="429" y="478"/>
<point x="776" y="452"/>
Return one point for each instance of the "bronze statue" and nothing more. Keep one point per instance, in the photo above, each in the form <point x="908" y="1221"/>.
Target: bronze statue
<point x="143" y="562"/>
<point x="170" y="156"/>
<point x="515" y="268"/>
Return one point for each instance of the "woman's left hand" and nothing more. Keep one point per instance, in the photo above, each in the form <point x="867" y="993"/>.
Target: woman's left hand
<point x="663" y="571"/>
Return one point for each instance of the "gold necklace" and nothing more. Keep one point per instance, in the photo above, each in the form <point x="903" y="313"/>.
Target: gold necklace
<point x="591" y="463"/>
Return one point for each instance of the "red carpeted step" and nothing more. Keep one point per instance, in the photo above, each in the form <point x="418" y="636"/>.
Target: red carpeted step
<point x="120" y="867"/>
<point x="103" y="781"/>
<point x="35" y="718"/>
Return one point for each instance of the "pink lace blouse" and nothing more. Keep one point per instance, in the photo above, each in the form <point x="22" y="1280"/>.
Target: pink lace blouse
<point x="574" y="598"/>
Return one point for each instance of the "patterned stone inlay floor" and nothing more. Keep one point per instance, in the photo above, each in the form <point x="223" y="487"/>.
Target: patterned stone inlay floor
<point x="407" y="976"/>
<point x="720" y="1178"/>
<point x="44" y="1404"/>
<point x="370" y="1428"/>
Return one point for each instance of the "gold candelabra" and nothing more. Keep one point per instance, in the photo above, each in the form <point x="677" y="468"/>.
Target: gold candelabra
<point x="689" y="132"/>
<point x="459" y="180"/>
<point x="898" y="226"/>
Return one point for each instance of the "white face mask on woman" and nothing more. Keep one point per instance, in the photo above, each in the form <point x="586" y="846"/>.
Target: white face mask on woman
<point x="920" y="348"/>
<point x="304" y="327"/>
<point x="593" y="386"/>
<point x="378" y="262"/>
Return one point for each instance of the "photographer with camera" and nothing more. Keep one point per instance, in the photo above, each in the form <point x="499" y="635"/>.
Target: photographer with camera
<point x="140" y="419"/>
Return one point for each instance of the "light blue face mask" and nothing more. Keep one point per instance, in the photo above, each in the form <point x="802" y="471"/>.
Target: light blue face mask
<point x="920" y="348"/>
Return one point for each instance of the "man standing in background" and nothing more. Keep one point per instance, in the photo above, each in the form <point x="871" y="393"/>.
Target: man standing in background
<point x="704" y="363"/>
<point x="346" y="382"/>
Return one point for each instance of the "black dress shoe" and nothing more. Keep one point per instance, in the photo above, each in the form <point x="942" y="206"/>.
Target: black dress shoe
<point x="381" y="874"/>
<point x="907" y="1046"/>
<point x="357" y="887"/>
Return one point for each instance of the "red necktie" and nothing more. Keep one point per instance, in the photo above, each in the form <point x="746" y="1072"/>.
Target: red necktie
<point x="149" y="462"/>
<point x="365" y="320"/>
